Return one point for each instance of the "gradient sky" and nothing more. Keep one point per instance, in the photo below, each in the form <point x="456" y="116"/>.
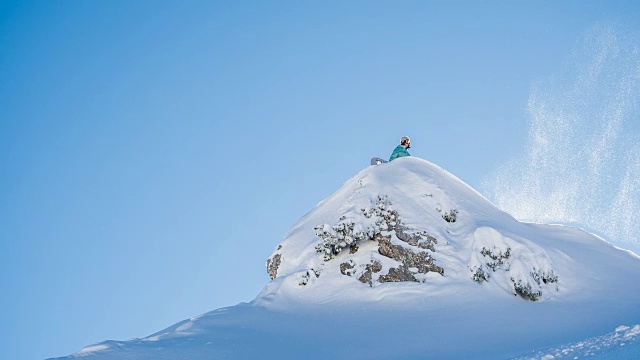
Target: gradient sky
<point x="153" y="153"/>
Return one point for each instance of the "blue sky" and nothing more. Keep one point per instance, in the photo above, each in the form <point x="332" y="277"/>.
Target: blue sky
<point x="154" y="153"/>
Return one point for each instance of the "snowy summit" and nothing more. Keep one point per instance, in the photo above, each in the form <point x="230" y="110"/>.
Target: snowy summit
<point x="407" y="261"/>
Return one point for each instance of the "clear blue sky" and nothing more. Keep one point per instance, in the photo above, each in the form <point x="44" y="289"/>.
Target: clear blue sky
<point x="153" y="154"/>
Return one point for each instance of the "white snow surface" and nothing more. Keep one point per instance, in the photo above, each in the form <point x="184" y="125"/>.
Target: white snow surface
<point x="312" y="310"/>
<point x="623" y="343"/>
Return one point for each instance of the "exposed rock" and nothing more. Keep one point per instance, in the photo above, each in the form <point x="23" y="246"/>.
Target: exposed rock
<point x="422" y="261"/>
<point x="345" y="267"/>
<point x="353" y="249"/>
<point x="366" y="276"/>
<point x="398" y="274"/>
<point x="272" y="265"/>
<point x="415" y="239"/>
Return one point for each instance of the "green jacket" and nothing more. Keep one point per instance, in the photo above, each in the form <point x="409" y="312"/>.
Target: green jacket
<point x="399" y="151"/>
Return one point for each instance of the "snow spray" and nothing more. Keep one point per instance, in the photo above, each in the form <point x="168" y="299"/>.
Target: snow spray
<point x="581" y="162"/>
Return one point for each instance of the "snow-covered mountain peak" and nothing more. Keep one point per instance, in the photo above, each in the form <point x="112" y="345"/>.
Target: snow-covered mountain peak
<point x="407" y="253"/>
<point x="410" y="222"/>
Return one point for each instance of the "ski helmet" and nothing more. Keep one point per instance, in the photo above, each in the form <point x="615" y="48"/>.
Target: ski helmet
<point x="404" y="138"/>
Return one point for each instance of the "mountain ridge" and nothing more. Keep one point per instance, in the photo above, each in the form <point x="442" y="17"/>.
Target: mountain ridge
<point x="409" y="254"/>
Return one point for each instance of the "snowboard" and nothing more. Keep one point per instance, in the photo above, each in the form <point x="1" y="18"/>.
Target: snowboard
<point x="377" y="161"/>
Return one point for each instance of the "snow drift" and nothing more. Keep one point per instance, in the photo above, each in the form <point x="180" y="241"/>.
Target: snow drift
<point x="407" y="261"/>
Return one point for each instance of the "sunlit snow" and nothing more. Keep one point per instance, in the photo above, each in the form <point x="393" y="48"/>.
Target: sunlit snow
<point x="584" y="287"/>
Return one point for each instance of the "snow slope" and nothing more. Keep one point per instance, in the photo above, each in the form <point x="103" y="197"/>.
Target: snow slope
<point x="623" y="343"/>
<point x="407" y="261"/>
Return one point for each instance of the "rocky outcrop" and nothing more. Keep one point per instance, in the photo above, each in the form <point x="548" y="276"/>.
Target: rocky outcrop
<point x="420" y="239"/>
<point x="401" y="273"/>
<point x="411" y="262"/>
<point x="367" y="277"/>
<point x="273" y="264"/>
<point x="345" y="268"/>
<point x="353" y="249"/>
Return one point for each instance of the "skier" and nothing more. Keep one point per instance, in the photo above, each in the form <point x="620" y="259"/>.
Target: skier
<point x="401" y="150"/>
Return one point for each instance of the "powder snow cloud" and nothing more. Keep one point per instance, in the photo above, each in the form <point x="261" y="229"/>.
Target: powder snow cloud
<point x="581" y="163"/>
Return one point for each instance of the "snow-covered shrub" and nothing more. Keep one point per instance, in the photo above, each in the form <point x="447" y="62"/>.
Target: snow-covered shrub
<point x="494" y="259"/>
<point x="497" y="256"/>
<point x="450" y="216"/>
<point x="378" y="223"/>
<point x="530" y="280"/>
<point x="544" y="277"/>
<point x="525" y="290"/>
<point x="518" y="266"/>
<point x="530" y="285"/>
<point x="479" y="275"/>
<point x="346" y="233"/>
<point x="311" y="274"/>
<point x="342" y="235"/>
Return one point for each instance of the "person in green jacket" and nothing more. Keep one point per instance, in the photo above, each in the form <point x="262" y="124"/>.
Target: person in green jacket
<point x="401" y="150"/>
